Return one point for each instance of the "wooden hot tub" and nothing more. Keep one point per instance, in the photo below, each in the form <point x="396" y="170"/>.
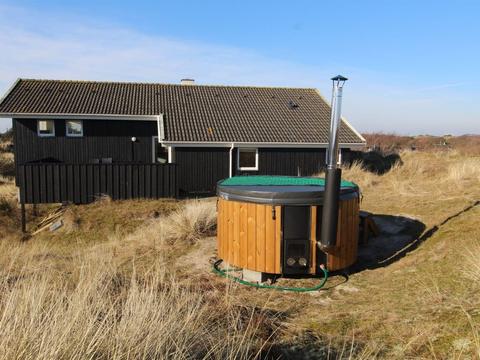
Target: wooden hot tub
<point x="272" y="225"/>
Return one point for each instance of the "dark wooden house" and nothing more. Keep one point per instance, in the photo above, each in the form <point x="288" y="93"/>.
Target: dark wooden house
<point x="75" y="140"/>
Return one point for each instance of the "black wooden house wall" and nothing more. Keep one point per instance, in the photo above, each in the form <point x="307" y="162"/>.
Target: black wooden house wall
<point x="198" y="169"/>
<point x="285" y="161"/>
<point x="101" y="139"/>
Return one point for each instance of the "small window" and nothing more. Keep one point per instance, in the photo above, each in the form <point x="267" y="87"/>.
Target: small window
<point x="247" y="159"/>
<point x="46" y="128"/>
<point x="74" y="128"/>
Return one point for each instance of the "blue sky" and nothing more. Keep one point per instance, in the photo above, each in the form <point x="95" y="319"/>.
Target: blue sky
<point x="413" y="65"/>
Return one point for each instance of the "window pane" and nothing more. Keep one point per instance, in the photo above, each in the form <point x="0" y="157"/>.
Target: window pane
<point x="46" y="127"/>
<point x="248" y="158"/>
<point x="74" y="128"/>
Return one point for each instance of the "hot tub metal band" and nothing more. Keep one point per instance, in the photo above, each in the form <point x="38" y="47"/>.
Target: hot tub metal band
<point x="225" y="274"/>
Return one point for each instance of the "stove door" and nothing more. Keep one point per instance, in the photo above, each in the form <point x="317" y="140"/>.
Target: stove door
<point x="296" y="240"/>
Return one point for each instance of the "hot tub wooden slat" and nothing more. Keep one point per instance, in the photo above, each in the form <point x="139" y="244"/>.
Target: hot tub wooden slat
<point x="278" y="239"/>
<point x="220" y="236"/>
<point x="230" y="231"/>
<point x="251" y="236"/>
<point x="260" y="222"/>
<point x="243" y="236"/>
<point x="269" y="241"/>
<point x="236" y="232"/>
<point x="313" y="237"/>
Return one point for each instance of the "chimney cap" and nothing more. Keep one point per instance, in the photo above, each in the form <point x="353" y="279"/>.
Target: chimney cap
<point x="339" y="78"/>
<point x="187" y="81"/>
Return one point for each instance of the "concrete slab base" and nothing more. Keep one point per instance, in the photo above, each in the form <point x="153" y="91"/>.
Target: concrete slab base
<point x="254" y="276"/>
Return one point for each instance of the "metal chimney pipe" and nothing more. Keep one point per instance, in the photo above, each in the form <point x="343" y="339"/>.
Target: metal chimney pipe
<point x="333" y="175"/>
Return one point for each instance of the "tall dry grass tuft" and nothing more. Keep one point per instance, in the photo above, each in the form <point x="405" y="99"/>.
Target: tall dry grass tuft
<point x="197" y="218"/>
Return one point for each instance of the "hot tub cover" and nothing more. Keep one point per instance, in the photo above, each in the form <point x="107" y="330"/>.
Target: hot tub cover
<point x="280" y="190"/>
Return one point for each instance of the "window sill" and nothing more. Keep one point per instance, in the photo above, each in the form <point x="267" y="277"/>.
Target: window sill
<point x="248" y="169"/>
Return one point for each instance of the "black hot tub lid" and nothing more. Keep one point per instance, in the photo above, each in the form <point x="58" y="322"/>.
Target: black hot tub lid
<point x="280" y="190"/>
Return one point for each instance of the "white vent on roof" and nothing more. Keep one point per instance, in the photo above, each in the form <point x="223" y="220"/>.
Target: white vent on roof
<point x="187" y="82"/>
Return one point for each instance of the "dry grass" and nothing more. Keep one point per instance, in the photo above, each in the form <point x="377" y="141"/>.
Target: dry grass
<point x="113" y="282"/>
<point x="105" y="301"/>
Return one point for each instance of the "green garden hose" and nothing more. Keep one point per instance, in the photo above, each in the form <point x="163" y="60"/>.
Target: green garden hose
<point x="224" y="273"/>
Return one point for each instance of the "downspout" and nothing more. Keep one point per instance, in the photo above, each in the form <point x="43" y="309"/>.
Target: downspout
<point x="161" y="138"/>
<point x="333" y="174"/>
<point x="230" y="161"/>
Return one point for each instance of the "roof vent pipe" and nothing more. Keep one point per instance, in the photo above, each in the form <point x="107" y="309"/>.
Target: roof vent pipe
<point x="187" y="82"/>
<point x="333" y="175"/>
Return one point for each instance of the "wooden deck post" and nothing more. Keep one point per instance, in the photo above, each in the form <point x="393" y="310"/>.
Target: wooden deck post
<point x="24" y="218"/>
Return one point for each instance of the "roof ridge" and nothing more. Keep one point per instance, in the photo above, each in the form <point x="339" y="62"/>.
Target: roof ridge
<point x="168" y="84"/>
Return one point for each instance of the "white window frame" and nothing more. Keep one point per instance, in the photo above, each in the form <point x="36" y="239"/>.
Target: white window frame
<point x="247" y="168"/>
<point x="45" y="135"/>
<point x="73" y="135"/>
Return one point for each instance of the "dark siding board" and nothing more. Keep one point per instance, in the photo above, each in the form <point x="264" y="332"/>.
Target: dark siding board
<point x="83" y="184"/>
<point x="28" y="173"/>
<point x="70" y="183"/>
<point x="116" y="179"/>
<point x="63" y="183"/>
<point x="141" y="181"/>
<point x="76" y="185"/>
<point x="154" y="182"/>
<point x="109" y="175"/>
<point x="129" y="182"/>
<point x="57" y="189"/>
<point x="96" y="181"/>
<point x="43" y="185"/>
<point x="89" y="182"/>
<point x="122" y="182"/>
<point x="148" y="181"/>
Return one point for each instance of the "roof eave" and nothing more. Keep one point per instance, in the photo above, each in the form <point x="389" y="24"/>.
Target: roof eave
<point x="228" y="144"/>
<point x="79" y="116"/>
